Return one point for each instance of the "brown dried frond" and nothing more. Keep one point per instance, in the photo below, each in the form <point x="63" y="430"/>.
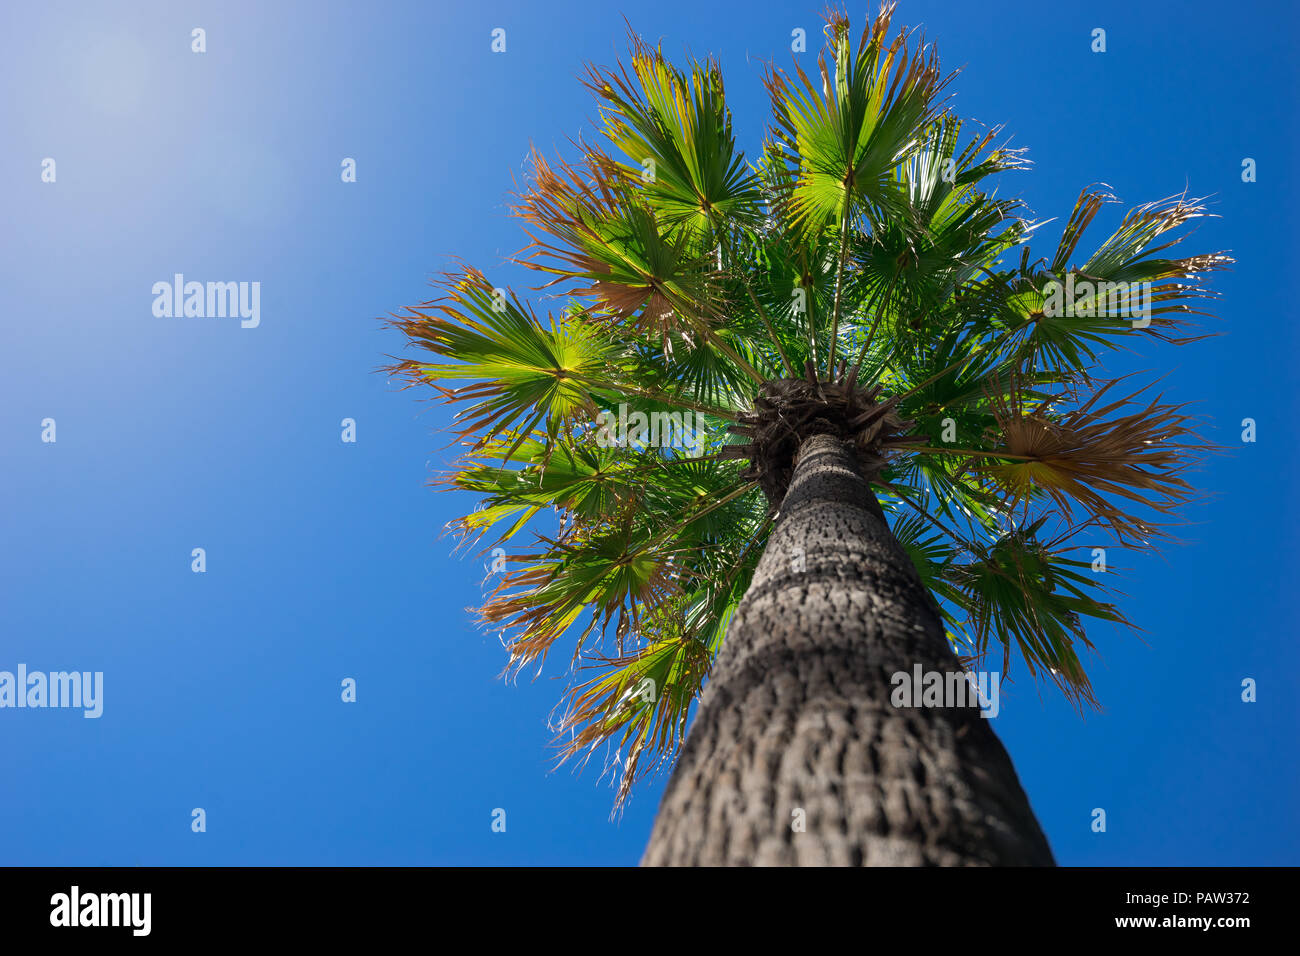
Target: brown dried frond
<point x="589" y="225"/>
<point x="563" y="202"/>
<point x="1092" y="455"/>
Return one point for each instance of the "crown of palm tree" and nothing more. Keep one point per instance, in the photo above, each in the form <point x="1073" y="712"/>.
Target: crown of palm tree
<point x="860" y="278"/>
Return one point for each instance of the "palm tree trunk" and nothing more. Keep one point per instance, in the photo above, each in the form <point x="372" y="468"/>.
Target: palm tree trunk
<point x="797" y="715"/>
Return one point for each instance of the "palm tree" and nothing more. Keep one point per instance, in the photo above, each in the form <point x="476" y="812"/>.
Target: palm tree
<point x="811" y="425"/>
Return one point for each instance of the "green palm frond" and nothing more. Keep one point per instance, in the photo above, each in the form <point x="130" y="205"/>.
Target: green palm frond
<point x="528" y="373"/>
<point x="1020" y="593"/>
<point x="845" y="137"/>
<point x="675" y="131"/>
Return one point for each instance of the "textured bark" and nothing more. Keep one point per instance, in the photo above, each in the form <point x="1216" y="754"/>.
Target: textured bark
<point x="797" y="712"/>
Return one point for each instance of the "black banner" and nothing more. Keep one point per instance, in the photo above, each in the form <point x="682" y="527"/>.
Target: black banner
<point x="379" y="904"/>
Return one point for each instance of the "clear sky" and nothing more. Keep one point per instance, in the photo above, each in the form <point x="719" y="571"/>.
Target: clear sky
<point x="325" y="560"/>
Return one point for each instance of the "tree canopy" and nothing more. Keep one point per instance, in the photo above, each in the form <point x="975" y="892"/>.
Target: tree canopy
<point x="863" y="258"/>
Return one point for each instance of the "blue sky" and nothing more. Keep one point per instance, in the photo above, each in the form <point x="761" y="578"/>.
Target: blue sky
<point x="324" y="558"/>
